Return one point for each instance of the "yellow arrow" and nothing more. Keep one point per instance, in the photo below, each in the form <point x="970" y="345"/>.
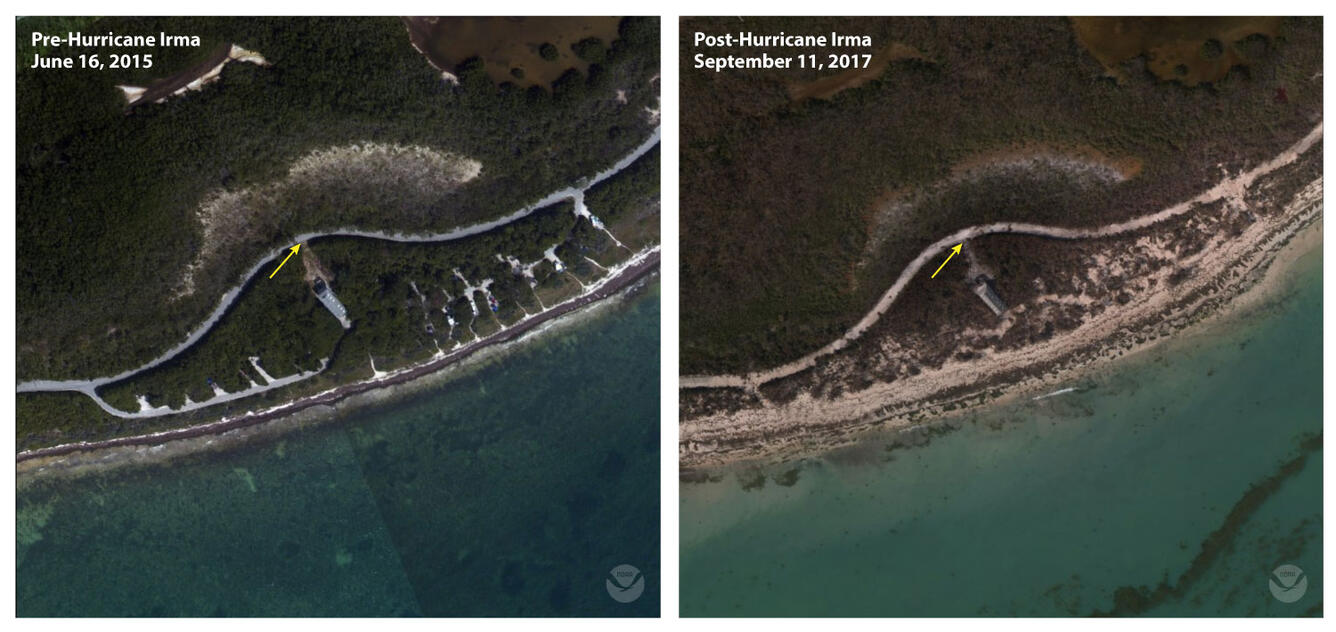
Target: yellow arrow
<point x="955" y="250"/>
<point x="294" y="250"/>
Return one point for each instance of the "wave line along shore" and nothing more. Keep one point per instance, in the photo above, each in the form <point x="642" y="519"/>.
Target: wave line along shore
<point x="810" y="424"/>
<point x="639" y="267"/>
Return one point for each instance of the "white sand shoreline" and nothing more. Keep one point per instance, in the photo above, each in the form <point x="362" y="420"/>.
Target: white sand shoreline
<point x="98" y="459"/>
<point x="1237" y="273"/>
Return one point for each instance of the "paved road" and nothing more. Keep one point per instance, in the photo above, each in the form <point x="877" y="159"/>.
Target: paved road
<point x="89" y="386"/>
<point x="1230" y="188"/>
<point x="639" y="267"/>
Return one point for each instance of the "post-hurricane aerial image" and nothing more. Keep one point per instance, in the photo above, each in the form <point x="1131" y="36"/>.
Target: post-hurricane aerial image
<point x="338" y="316"/>
<point x="1001" y="316"/>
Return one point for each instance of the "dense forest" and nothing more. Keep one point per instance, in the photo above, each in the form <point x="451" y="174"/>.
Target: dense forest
<point x="401" y="298"/>
<point x="108" y="196"/>
<point x="786" y="237"/>
<point x="628" y="191"/>
<point x="940" y="320"/>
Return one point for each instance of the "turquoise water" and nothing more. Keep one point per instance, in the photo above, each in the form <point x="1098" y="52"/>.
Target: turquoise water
<point x="509" y="491"/>
<point x="1051" y="507"/>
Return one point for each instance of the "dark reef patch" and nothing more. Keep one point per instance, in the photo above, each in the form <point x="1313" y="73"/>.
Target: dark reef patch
<point x="1136" y="600"/>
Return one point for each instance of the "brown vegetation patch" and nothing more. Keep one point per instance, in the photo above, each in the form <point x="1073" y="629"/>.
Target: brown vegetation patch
<point x="508" y="43"/>
<point x="312" y="265"/>
<point x="780" y="199"/>
<point x="899" y="206"/>
<point x="1189" y="50"/>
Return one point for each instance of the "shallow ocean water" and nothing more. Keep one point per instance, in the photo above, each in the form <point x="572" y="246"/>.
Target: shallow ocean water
<point x="1049" y="508"/>
<point x="511" y="490"/>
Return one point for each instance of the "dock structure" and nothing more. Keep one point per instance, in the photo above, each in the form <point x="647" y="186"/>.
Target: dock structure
<point x="983" y="286"/>
<point x="331" y="302"/>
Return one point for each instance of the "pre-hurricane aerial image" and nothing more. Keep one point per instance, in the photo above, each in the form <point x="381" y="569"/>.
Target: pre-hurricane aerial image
<point x="338" y="316"/>
<point x="1001" y="316"/>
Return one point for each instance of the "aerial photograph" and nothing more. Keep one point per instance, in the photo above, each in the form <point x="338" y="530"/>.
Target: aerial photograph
<point x="338" y="316"/>
<point x="1001" y="316"/>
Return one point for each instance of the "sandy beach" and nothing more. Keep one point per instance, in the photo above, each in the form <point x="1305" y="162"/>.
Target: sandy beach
<point x="1231" y="273"/>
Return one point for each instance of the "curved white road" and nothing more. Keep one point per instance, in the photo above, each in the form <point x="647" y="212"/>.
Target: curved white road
<point x="89" y="386"/>
<point x="1232" y="188"/>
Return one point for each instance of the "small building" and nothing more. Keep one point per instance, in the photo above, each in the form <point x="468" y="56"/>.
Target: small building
<point x="331" y="302"/>
<point x="983" y="286"/>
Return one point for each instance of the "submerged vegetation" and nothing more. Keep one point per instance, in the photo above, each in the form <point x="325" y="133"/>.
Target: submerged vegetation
<point x="408" y="302"/>
<point x="526" y="51"/>
<point x="134" y="221"/>
<point x="1187" y="50"/>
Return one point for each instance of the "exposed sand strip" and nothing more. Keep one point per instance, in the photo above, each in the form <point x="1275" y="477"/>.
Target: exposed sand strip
<point x="1227" y="267"/>
<point x="1232" y="189"/>
<point x="192" y="79"/>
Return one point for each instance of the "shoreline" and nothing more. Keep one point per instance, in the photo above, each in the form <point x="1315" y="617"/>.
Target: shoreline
<point x="1240" y="275"/>
<point x="357" y="393"/>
